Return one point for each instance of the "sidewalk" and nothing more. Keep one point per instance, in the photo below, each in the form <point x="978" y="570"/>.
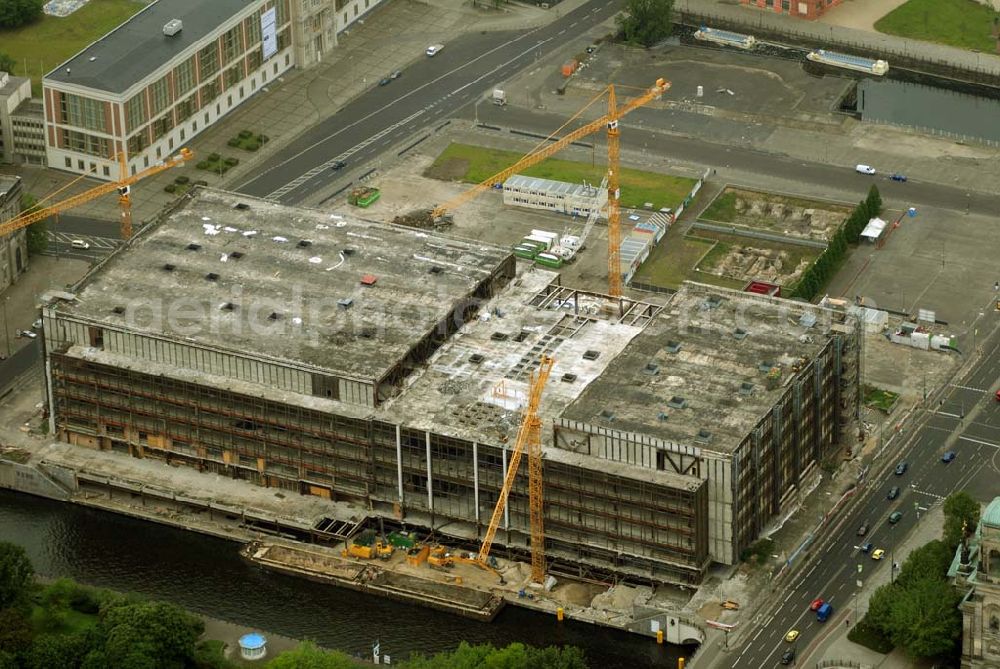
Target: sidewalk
<point x="21" y="299"/>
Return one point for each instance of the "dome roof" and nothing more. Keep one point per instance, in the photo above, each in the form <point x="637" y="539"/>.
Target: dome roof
<point x="252" y="641"/>
<point x="991" y="516"/>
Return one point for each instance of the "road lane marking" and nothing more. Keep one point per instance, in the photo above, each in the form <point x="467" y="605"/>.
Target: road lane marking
<point x="978" y="390"/>
<point x="979" y="441"/>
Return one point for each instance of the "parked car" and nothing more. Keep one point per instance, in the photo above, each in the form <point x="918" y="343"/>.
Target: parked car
<point x="901" y="468"/>
<point x="866" y="547"/>
<point x="434" y="49"/>
<point x="893" y="492"/>
<point x="384" y="81"/>
<point x="894" y="517"/>
<point x="896" y="176"/>
<point x="792" y="636"/>
<point x="79" y="244"/>
<point x="396" y="74"/>
<point x="338" y="165"/>
<point x="863" y="530"/>
<point x="788" y="657"/>
<point x="864" y="169"/>
<point x="37" y="325"/>
<point x="948" y="457"/>
<point x="26" y="333"/>
<point x="816" y="603"/>
<point x="998" y="396"/>
<point x="878" y="554"/>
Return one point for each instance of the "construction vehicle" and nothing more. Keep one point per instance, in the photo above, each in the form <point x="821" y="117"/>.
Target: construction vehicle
<point x="417" y="555"/>
<point x="123" y="186"/>
<point x="528" y="435"/>
<point x="440" y="558"/>
<point x="550" y="145"/>
<point x="364" y="196"/>
<point x="368" y="546"/>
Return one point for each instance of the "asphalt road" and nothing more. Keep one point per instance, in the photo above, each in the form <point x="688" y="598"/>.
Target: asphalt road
<point x="968" y="422"/>
<point x="636" y="136"/>
<point x="429" y="92"/>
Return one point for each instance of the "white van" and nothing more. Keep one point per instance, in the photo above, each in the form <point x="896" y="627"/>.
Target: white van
<point x="79" y="244"/>
<point x="433" y="49"/>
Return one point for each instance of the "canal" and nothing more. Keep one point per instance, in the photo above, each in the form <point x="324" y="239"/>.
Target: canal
<point x="206" y="575"/>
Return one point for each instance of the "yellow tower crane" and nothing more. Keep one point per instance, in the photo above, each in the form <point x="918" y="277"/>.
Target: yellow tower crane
<point x="610" y="121"/>
<point x="528" y="435"/>
<point x="123" y="186"/>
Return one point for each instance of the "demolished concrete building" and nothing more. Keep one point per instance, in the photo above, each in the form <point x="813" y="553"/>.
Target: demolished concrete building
<point x="386" y="366"/>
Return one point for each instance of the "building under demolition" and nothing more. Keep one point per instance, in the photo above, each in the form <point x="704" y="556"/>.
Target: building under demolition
<point x="388" y="366"/>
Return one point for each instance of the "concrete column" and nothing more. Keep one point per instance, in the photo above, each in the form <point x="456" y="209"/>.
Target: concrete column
<point x="430" y="482"/>
<point x="475" y="476"/>
<point x="399" y="465"/>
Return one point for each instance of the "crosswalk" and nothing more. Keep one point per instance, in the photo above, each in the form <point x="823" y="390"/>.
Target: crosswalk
<point x="65" y="239"/>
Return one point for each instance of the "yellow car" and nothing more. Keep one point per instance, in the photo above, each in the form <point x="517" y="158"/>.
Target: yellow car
<point x="878" y="554"/>
<point x="792" y="636"/>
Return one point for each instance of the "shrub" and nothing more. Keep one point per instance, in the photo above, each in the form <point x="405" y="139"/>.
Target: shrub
<point x="214" y="157"/>
<point x="204" y="165"/>
<point x="170" y="188"/>
<point x="251" y="146"/>
<point x="245" y="134"/>
<point x="200" y="182"/>
<point x="181" y="180"/>
<point x="232" y="162"/>
<point x="234" y="142"/>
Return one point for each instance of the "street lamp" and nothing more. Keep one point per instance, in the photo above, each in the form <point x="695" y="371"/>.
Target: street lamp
<point x="6" y="330"/>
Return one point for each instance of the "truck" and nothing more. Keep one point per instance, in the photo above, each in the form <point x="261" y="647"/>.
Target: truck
<point x="824" y="612"/>
<point x="499" y="97"/>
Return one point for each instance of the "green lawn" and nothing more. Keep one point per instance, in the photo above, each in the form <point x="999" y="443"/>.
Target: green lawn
<point x="48" y="42"/>
<point x="672" y="261"/>
<point x="962" y="23"/>
<point x="474" y="164"/>
<point x="883" y="400"/>
<point x="722" y="209"/>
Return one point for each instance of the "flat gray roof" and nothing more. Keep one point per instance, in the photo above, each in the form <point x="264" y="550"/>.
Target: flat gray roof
<point x="137" y="48"/>
<point x="231" y="268"/>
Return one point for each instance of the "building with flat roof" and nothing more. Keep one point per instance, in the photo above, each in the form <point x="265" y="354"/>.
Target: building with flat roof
<point x="558" y="196"/>
<point x="975" y="572"/>
<point x="806" y="9"/>
<point x="22" y="136"/>
<point x="388" y="367"/>
<point x="13" y="247"/>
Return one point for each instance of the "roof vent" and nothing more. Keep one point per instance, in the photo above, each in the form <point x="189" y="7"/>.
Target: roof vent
<point x="212" y="276"/>
<point x="499" y="336"/>
<point x="345" y="303"/>
<point x="765" y="367"/>
<point x="746" y="388"/>
<point x="521" y="336"/>
<point x="368" y="279"/>
<point x="236" y="255"/>
<point x="242" y="206"/>
<point x="673" y="347"/>
<point x="568" y="378"/>
<point x="193" y="247"/>
<point x="476" y="358"/>
<point x="607" y="414"/>
<point x="119" y="310"/>
<point x="228" y="306"/>
<point x="591" y="355"/>
<point x="348" y="252"/>
<point x="651" y="369"/>
<point x="703" y="436"/>
<point x="304" y="243"/>
<point x="435" y="269"/>
<point x="662" y="416"/>
<point x="172" y="27"/>
<point x="711" y="302"/>
<point x="677" y="402"/>
<point x="275" y="315"/>
<point x="169" y="267"/>
<point x="740" y="334"/>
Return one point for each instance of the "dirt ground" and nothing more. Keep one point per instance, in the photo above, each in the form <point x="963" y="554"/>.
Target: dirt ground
<point x="784" y="215"/>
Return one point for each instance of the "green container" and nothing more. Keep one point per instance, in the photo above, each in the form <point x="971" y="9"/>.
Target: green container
<point x="525" y="251"/>
<point x="548" y="260"/>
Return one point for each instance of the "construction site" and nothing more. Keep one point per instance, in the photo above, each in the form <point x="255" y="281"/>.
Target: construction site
<point x="391" y="369"/>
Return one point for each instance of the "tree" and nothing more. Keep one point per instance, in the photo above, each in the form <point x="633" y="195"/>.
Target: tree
<point x="880" y="607"/>
<point x="64" y="651"/>
<point x="959" y="508"/>
<point x="925" y="619"/>
<point x="7" y="63"/>
<point x="153" y="635"/>
<point x="646" y="22"/>
<point x="37" y="233"/>
<point x="874" y="202"/>
<point x="930" y="561"/>
<point x="16" y="13"/>
<point x="16" y="575"/>
<point x="514" y="656"/>
<point x="308" y="656"/>
<point x="15" y="632"/>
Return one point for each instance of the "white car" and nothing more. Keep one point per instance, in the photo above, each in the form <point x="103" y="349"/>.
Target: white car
<point x="864" y="169"/>
<point x="433" y="49"/>
<point x="79" y="244"/>
<point x="26" y="333"/>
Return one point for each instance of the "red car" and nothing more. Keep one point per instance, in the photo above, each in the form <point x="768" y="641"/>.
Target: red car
<point x="816" y="603"/>
<point x="998" y="396"/>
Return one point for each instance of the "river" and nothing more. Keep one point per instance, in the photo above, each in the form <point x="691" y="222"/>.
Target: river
<point x="206" y="575"/>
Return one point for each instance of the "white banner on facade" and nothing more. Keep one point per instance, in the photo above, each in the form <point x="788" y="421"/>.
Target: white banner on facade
<point x="268" y="21"/>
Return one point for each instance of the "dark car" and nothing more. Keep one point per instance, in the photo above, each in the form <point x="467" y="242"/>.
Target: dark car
<point x="901" y="468"/>
<point x="863" y="530"/>
<point x="894" y="517"/>
<point x="948" y="457"/>
<point x="893" y="492"/>
<point x="338" y="165"/>
<point x="788" y="657"/>
<point x="896" y="176"/>
<point x="384" y="81"/>
<point x="866" y="547"/>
